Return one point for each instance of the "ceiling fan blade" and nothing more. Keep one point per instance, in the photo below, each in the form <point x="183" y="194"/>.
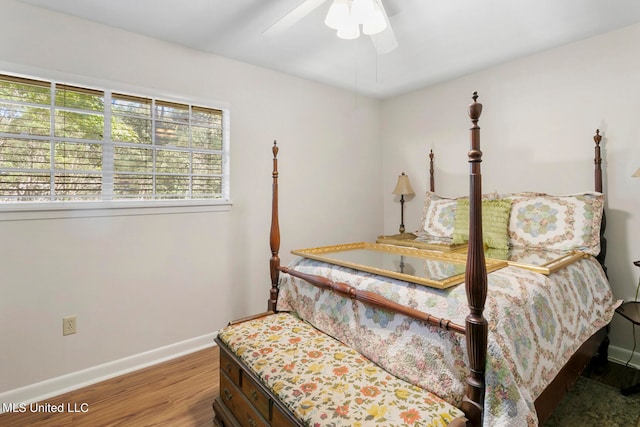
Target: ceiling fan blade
<point x="385" y="41"/>
<point x="293" y="17"/>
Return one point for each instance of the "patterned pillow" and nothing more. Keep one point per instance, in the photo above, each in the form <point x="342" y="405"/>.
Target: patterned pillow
<point x="438" y="217"/>
<point x="556" y="222"/>
<point x="495" y="222"/>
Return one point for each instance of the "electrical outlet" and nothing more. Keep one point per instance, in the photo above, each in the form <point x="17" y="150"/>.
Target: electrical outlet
<point x="69" y="325"/>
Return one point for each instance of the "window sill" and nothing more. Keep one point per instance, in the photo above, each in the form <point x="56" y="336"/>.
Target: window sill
<point x="65" y="210"/>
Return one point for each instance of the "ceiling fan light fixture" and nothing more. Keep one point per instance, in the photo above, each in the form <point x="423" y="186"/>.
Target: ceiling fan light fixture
<point x="346" y="16"/>
<point x="377" y="23"/>
<point x="338" y="15"/>
<point x="350" y="30"/>
<point x="363" y="10"/>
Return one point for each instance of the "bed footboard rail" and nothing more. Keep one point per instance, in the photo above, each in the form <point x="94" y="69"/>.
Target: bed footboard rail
<point x="376" y="300"/>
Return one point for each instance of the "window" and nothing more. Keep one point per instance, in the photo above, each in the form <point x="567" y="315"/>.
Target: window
<point x="62" y="143"/>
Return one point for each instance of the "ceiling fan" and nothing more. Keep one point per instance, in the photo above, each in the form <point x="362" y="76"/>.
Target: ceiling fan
<point x="346" y="16"/>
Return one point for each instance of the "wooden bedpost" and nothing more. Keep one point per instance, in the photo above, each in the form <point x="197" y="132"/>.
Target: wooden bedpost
<point x="602" y="356"/>
<point x="475" y="279"/>
<point x="274" y="238"/>
<point x="598" y="162"/>
<point x="432" y="181"/>
<point x="598" y="187"/>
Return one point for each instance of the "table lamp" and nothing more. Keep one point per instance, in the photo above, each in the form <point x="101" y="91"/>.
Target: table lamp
<point x="403" y="187"/>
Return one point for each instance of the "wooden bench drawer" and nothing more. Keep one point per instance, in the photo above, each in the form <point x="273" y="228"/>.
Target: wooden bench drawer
<point x="233" y="398"/>
<point x="229" y="367"/>
<point x="256" y="396"/>
<point x="280" y="419"/>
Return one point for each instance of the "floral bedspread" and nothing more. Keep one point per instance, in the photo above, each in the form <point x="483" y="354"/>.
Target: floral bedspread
<point x="536" y="323"/>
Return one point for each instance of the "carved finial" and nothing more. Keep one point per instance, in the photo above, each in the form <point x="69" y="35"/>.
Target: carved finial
<point x="275" y="160"/>
<point x="597" y="137"/>
<point x="475" y="109"/>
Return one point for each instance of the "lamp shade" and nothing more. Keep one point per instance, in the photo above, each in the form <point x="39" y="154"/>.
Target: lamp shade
<point x="636" y="174"/>
<point x="403" y="186"/>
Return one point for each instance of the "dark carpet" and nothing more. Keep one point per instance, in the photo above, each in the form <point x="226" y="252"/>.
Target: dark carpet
<point x="592" y="403"/>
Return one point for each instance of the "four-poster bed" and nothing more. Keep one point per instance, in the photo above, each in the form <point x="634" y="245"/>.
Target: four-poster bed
<point x="437" y="354"/>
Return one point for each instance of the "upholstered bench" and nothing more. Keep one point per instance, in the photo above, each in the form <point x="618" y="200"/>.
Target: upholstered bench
<point x="280" y="370"/>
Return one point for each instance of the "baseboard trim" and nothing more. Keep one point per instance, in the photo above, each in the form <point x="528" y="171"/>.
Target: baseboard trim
<point x="622" y="355"/>
<point x="75" y="380"/>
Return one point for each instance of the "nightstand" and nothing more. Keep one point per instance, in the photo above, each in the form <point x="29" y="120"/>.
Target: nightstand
<point x="630" y="310"/>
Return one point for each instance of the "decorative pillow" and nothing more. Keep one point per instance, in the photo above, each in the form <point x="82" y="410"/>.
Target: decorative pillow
<point x="495" y="222"/>
<point x="556" y="222"/>
<point x="438" y="216"/>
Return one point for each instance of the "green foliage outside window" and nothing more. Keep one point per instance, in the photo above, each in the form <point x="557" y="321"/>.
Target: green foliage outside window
<point x="61" y="150"/>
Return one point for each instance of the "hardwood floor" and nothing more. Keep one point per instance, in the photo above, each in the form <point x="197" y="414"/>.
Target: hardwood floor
<point x="175" y="393"/>
<point x="178" y="392"/>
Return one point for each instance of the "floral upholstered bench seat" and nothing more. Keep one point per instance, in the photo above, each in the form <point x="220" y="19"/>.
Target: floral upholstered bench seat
<point x="324" y="382"/>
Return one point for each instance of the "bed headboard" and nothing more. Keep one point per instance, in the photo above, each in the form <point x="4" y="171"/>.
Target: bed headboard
<point x="598" y="187"/>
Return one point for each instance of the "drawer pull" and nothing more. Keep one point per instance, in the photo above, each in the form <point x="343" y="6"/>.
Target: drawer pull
<point x="228" y="367"/>
<point x="251" y="421"/>
<point x="227" y="394"/>
<point x="254" y="395"/>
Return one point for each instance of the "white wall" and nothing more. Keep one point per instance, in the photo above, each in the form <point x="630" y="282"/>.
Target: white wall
<point x="540" y="114"/>
<point x="138" y="283"/>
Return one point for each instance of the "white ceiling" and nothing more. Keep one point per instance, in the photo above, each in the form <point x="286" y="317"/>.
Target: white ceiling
<point x="438" y="39"/>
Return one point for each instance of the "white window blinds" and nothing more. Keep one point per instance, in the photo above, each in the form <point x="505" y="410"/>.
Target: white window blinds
<point x="67" y="143"/>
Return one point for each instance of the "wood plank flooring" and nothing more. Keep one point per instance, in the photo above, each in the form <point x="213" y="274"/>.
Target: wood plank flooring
<point x="174" y="393"/>
<point x="178" y="392"/>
